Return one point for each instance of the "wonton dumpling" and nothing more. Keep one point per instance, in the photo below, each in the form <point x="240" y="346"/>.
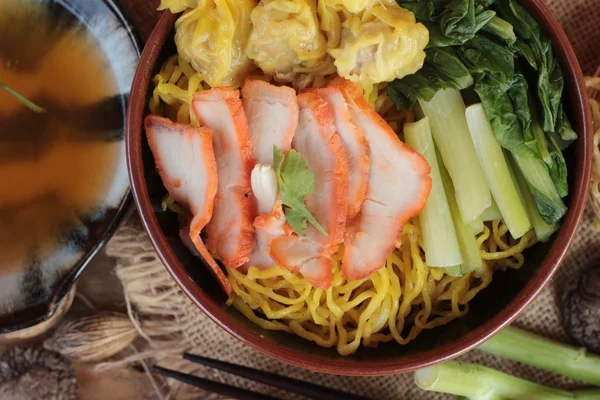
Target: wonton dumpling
<point x="176" y="6"/>
<point x="354" y="6"/>
<point x="380" y="45"/>
<point x="212" y="38"/>
<point x="286" y="39"/>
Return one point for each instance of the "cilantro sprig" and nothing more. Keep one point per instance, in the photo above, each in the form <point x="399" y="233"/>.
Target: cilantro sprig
<point x="295" y="182"/>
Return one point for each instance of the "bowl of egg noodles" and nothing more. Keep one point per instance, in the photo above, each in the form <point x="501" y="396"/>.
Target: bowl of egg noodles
<point x="359" y="187"/>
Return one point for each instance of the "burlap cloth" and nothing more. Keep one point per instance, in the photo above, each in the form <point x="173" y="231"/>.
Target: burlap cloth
<point x="152" y="294"/>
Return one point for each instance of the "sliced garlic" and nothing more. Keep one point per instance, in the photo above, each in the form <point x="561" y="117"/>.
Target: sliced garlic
<point x="264" y="187"/>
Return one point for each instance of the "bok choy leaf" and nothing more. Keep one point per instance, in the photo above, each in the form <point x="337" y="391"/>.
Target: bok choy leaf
<point x="498" y="45"/>
<point x="450" y="22"/>
<point x="504" y="98"/>
<point x="442" y="69"/>
<point x="537" y="50"/>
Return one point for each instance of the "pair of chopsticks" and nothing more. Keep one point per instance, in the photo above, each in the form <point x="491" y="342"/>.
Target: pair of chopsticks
<point x="291" y="385"/>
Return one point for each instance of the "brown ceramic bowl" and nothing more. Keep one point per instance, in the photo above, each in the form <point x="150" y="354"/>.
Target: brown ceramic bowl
<point x="494" y="308"/>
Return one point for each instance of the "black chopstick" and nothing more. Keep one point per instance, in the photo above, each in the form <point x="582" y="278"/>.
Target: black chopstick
<point x="306" y="389"/>
<point x="212" y="386"/>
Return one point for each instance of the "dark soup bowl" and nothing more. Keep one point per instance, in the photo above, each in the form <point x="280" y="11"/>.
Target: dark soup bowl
<point x="63" y="163"/>
<point x="494" y="308"/>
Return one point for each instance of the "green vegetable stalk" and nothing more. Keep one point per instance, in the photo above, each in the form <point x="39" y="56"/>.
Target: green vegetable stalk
<point x="494" y="165"/>
<point x="439" y="236"/>
<point x="543" y="190"/>
<point x="518" y="345"/>
<point x="501" y="29"/>
<point x="587" y="394"/>
<point x="466" y="239"/>
<point x="492" y="212"/>
<point x="28" y="103"/>
<point x="543" y="231"/>
<point x="446" y="112"/>
<point x="477" y="382"/>
<point x="504" y="98"/>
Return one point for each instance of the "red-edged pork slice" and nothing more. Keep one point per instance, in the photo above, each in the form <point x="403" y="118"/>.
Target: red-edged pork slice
<point x="272" y="113"/>
<point x="186" y="163"/>
<point x="268" y="227"/>
<point x="322" y="148"/>
<point x="300" y="254"/>
<point x="357" y="150"/>
<point x="229" y="232"/>
<point x="399" y="184"/>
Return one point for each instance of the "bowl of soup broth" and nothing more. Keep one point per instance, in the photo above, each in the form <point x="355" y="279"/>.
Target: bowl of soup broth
<point x="66" y="68"/>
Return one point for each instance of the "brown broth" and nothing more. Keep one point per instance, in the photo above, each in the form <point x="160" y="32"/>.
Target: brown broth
<point x="55" y="166"/>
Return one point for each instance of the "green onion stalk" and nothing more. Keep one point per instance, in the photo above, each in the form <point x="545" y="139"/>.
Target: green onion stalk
<point x="30" y="104"/>
<point x="476" y="382"/>
<point x="516" y="344"/>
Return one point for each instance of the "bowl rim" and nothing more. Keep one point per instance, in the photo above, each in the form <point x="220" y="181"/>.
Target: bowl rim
<point x="32" y="316"/>
<point x="348" y="366"/>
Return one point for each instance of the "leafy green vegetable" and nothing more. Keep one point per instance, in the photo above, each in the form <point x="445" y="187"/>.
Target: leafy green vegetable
<point x="508" y="131"/>
<point x="485" y="56"/>
<point x="542" y="143"/>
<point x="518" y="94"/>
<point x="469" y="41"/>
<point x="28" y="103"/>
<point x="442" y="69"/>
<point x="543" y="231"/>
<point x="500" y="29"/>
<point x="537" y="50"/>
<point x="564" y="128"/>
<point x="500" y="112"/>
<point x="484" y="3"/>
<point x="423" y="10"/>
<point x="460" y="21"/>
<point x="450" y="22"/>
<point x="558" y="168"/>
<point x="544" y="192"/>
<point x="437" y="38"/>
<point x="549" y="150"/>
<point x="295" y="182"/>
<point x="504" y="96"/>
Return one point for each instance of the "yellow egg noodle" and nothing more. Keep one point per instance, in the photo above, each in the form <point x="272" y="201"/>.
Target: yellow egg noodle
<point x="394" y="303"/>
